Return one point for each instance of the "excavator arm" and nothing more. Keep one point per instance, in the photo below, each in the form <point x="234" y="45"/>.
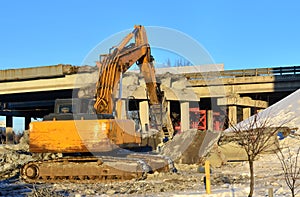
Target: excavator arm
<point x="117" y="62"/>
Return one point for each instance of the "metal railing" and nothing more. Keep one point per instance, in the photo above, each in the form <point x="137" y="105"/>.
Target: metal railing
<point x="292" y="70"/>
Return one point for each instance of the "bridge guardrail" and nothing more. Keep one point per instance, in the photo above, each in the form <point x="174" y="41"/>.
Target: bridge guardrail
<point x="292" y="70"/>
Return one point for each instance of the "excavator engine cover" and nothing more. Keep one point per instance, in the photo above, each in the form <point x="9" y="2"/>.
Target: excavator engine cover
<point x="74" y="136"/>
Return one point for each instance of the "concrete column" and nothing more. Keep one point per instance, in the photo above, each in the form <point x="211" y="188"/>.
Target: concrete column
<point x="169" y="108"/>
<point x="9" y="130"/>
<point x="144" y="115"/>
<point x="9" y="121"/>
<point x="124" y="112"/>
<point x="185" y="115"/>
<point x="121" y="109"/>
<point x="27" y="122"/>
<point x="232" y="114"/>
<point x="210" y="120"/>
<point x="246" y="113"/>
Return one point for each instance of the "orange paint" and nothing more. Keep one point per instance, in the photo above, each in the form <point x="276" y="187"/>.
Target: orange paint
<point x="71" y="136"/>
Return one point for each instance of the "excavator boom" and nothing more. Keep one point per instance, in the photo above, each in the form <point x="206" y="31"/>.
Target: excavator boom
<point x="121" y="58"/>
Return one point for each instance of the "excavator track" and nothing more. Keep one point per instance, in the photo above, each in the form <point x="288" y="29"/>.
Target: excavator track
<point x="95" y="169"/>
<point x="84" y="170"/>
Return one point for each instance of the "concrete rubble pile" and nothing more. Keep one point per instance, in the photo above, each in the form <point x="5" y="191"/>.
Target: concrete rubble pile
<point x="191" y="146"/>
<point x="12" y="157"/>
<point x="267" y="170"/>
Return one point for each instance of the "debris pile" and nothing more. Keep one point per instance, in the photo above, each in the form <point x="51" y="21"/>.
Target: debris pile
<point x="12" y="157"/>
<point x="191" y="146"/>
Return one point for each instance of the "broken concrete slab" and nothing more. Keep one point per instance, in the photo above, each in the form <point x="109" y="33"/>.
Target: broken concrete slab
<point x="191" y="146"/>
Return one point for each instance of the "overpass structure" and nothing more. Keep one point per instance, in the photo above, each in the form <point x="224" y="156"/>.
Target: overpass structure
<point x="31" y="92"/>
<point x="249" y="89"/>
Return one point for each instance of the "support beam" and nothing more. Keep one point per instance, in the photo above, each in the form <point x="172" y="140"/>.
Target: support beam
<point x="144" y="115"/>
<point x="242" y="101"/>
<point x="232" y="115"/>
<point x="121" y="109"/>
<point x="9" y="130"/>
<point x="210" y="120"/>
<point x="9" y="121"/>
<point x="27" y="122"/>
<point x="169" y="108"/>
<point x="185" y="115"/>
<point x="246" y="113"/>
<point x="124" y="113"/>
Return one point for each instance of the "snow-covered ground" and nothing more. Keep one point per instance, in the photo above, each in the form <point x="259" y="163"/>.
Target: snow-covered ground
<point x="230" y="180"/>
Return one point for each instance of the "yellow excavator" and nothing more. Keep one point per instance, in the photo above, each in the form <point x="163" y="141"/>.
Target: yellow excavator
<point x="90" y="136"/>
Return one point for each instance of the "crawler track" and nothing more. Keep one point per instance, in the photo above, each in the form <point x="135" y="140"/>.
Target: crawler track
<point x="95" y="169"/>
<point x="84" y="170"/>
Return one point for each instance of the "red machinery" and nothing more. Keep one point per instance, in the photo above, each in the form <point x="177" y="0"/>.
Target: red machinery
<point x="198" y="119"/>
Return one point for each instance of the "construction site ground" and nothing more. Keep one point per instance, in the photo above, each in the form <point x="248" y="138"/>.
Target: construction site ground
<point x="228" y="179"/>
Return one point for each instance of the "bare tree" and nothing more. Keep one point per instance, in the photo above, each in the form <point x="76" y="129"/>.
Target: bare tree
<point x="168" y="62"/>
<point x="182" y="62"/>
<point x="290" y="165"/>
<point x="256" y="135"/>
<point x="178" y="62"/>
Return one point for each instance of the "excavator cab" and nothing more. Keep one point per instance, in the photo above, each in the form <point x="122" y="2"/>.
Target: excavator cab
<point x="74" y="106"/>
<point x="75" y="109"/>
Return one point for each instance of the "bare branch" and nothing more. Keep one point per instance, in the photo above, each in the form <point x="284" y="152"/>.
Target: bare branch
<point x="257" y="135"/>
<point x="290" y="166"/>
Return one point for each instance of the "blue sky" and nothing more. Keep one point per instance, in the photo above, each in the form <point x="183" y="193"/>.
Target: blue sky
<point x="240" y="34"/>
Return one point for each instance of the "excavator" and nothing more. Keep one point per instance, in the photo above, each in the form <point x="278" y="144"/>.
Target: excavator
<point x="95" y="142"/>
